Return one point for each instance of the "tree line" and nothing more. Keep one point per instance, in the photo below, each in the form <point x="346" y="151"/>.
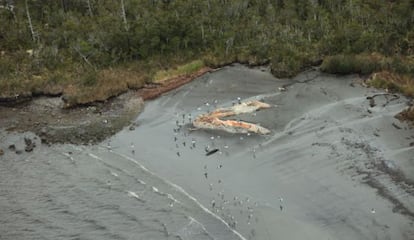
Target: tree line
<point x="48" y="35"/>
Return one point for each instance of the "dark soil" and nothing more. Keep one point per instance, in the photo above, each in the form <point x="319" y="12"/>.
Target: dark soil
<point x="81" y="125"/>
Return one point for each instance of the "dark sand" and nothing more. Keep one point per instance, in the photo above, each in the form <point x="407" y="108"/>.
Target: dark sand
<point x="332" y="168"/>
<point x="325" y="156"/>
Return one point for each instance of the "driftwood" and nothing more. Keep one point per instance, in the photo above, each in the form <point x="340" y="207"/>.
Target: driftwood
<point x="212" y="120"/>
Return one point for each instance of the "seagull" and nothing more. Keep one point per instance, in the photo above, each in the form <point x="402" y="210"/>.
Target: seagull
<point x="282" y="89"/>
<point x="372" y="210"/>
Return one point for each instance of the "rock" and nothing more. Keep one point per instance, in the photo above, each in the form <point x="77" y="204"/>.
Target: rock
<point x="29" y="148"/>
<point x="30" y="145"/>
<point x="43" y="131"/>
<point x="19" y="151"/>
<point x="12" y="147"/>
<point x="131" y="128"/>
<point x="396" y="126"/>
<point x="1" y="152"/>
<point x="28" y="141"/>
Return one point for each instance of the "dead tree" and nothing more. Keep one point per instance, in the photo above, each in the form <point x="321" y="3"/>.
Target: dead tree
<point x="29" y="19"/>
<point x="88" y="2"/>
<point x="123" y="14"/>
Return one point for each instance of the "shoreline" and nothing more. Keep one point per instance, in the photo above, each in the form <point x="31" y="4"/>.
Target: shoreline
<point x="18" y="107"/>
<point x="83" y="123"/>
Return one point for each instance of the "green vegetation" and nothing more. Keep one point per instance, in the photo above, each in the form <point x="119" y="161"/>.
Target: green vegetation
<point x="185" y="69"/>
<point x="75" y="46"/>
<point x="367" y="63"/>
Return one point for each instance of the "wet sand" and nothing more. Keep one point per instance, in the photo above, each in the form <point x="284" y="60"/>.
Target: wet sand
<point x="325" y="156"/>
<point x="333" y="167"/>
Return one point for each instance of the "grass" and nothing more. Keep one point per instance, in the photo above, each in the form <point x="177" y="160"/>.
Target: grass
<point x="367" y="63"/>
<point x="347" y="64"/>
<point x="407" y="115"/>
<point x="393" y="82"/>
<point x="186" y="69"/>
<point x="103" y="84"/>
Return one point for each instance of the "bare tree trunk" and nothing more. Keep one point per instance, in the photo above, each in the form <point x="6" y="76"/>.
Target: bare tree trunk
<point x="89" y="8"/>
<point x="63" y="3"/>
<point x="85" y="58"/>
<point x="30" y="22"/>
<point x="124" y="15"/>
<point x="202" y="32"/>
<point x="229" y="44"/>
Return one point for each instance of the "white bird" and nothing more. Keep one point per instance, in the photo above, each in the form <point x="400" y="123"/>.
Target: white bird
<point x="282" y="89"/>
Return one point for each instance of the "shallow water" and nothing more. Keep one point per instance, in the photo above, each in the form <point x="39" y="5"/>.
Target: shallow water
<point x="303" y="181"/>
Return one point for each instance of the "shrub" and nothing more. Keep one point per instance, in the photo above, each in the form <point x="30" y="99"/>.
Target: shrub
<point x="347" y="64"/>
<point x="89" y="78"/>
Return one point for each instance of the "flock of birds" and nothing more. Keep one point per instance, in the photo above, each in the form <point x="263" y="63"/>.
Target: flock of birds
<point x="229" y="208"/>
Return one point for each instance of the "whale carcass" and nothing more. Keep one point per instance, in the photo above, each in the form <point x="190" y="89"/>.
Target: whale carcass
<point x="212" y="120"/>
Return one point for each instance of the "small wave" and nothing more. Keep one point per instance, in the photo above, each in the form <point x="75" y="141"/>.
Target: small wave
<point x="114" y="174"/>
<point x="172" y="198"/>
<point x="94" y="156"/>
<point x="194" y="230"/>
<point x="180" y="189"/>
<point x="134" y="195"/>
<point x="69" y="156"/>
<point x="141" y="182"/>
<point x="154" y="189"/>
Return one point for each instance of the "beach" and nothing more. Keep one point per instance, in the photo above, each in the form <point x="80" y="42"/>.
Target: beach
<point x="334" y="166"/>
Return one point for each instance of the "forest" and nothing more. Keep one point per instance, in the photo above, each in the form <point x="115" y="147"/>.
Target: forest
<point x="90" y="50"/>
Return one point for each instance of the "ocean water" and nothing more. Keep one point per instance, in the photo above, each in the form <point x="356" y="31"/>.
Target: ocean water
<point x="77" y="192"/>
